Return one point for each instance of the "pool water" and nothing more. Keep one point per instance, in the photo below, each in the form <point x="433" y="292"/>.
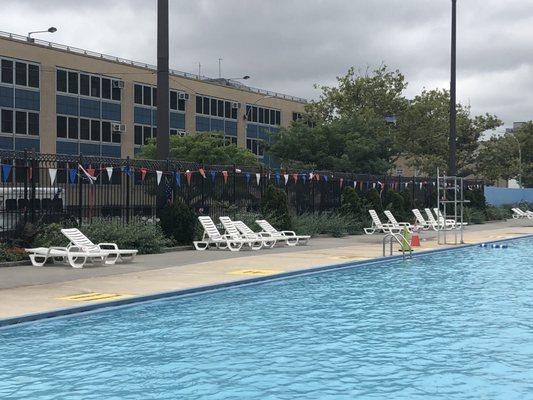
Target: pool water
<point x="455" y="324"/>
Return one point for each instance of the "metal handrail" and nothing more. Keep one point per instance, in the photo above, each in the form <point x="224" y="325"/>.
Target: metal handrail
<point x="399" y="238"/>
<point x="76" y="50"/>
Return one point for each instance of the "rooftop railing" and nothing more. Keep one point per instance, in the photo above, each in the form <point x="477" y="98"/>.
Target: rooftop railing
<point x="76" y="50"/>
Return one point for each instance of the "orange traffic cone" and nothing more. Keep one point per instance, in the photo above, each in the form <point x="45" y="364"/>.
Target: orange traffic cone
<point x="415" y="240"/>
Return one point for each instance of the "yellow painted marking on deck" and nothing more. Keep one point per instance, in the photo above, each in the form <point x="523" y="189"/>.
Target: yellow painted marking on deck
<point x="255" y="272"/>
<point x="93" y="296"/>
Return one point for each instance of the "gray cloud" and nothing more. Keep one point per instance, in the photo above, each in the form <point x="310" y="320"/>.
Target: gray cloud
<point x="288" y="46"/>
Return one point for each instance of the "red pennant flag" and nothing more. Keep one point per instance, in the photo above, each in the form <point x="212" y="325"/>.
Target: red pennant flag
<point x="30" y="173"/>
<point x="295" y="177"/>
<point x="317" y="176"/>
<point x="361" y="185"/>
<point x="188" y="175"/>
<point x="202" y="172"/>
<point x="225" y="175"/>
<point x="341" y="181"/>
<point x="91" y="170"/>
<point x="143" y="173"/>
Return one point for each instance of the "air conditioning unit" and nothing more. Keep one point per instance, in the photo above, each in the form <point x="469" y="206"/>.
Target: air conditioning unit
<point x="183" y="96"/>
<point x="118" y="84"/>
<point x="119" y="128"/>
<point x="235" y="105"/>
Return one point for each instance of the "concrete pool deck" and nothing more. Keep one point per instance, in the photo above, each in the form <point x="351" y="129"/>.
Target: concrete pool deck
<point x="28" y="290"/>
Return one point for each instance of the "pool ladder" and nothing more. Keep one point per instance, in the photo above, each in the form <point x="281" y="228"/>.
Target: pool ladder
<point x="400" y="240"/>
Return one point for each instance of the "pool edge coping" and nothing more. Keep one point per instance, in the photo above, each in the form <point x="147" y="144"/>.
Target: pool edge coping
<point x="68" y="311"/>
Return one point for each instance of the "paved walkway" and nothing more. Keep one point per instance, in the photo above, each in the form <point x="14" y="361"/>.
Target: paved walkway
<point x="27" y="289"/>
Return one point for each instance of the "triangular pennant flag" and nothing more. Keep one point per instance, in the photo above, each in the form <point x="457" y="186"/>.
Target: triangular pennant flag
<point x="159" y="175"/>
<point x="326" y="178"/>
<point x="341" y="181"/>
<point x="304" y="178"/>
<point x="295" y="177"/>
<point x="373" y="185"/>
<point x="317" y="176"/>
<point x="225" y="175"/>
<point x="177" y="176"/>
<point x="127" y="170"/>
<point x="248" y="176"/>
<point x="52" y="172"/>
<point x="420" y="184"/>
<point x="201" y="171"/>
<point x="6" y="170"/>
<point x="286" y="177"/>
<point x="188" y="175"/>
<point x="361" y="185"/>
<point x="72" y="174"/>
<point x="355" y="184"/>
<point x="30" y="173"/>
<point x="277" y="178"/>
<point x="144" y="171"/>
<point x="109" y="172"/>
<point x="213" y="175"/>
<point x="311" y="175"/>
<point x="88" y="174"/>
<point x="258" y="178"/>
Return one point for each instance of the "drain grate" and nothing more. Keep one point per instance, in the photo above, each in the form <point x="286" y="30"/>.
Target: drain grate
<point x="255" y="272"/>
<point x="94" y="296"/>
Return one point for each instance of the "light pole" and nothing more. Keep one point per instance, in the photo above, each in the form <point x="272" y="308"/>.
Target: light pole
<point x="452" y="163"/>
<point x="163" y="112"/>
<point x="519" y="161"/>
<point x="52" y="29"/>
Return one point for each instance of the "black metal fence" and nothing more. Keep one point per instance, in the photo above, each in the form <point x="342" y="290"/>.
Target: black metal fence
<point x="48" y="188"/>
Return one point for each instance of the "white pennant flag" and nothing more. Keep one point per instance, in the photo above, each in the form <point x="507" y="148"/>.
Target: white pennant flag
<point x="311" y="176"/>
<point x="159" y="174"/>
<point x="52" y="172"/>
<point x="286" y="177"/>
<point x="420" y="184"/>
<point x="109" y="172"/>
<point x="258" y="178"/>
<point x="374" y="185"/>
<point x="355" y="184"/>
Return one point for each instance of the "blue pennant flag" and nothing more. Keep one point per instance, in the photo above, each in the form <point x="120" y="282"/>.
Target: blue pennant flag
<point x="6" y="170"/>
<point x="367" y="184"/>
<point x="247" y="178"/>
<point x="304" y="178"/>
<point x="127" y="170"/>
<point x="277" y="178"/>
<point x="72" y="174"/>
<point x="178" y="179"/>
<point x="325" y="178"/>
<point x="213" y="175"/>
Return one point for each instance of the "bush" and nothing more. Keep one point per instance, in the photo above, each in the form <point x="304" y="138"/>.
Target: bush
<point x="336" y="225"/>
<point x="178" y="222"/>
<point x="351" y="204"/>
<point x="477" y="199"/>
<point x="374" y="200"/>
<point x="473" y="216"/>
<point x="8" y="253"/>
<point x="494" y="213"/>
<point x="275" y="208"/>
<point x="394" y="202"/>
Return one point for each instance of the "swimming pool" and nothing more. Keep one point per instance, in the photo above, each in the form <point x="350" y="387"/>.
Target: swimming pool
<point x="455" y="324"/>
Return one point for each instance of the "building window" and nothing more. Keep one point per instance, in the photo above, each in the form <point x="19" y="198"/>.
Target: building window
<point x="84" y="129"/>
<point x="106" y="88"/>
<point x="296" y="116"/>
<point x="33" y="124"/>
<point x="95" y="86"/>
<point x="7" y="71"/>
<point x="20" y="123"/>
<point x="61" y="81"/>
<point x="7" y="121"/>
<point x="61" y="126"/>
<point x="95" y="130"/>
<point x="216" y="107"/>
<point x="84" y="85"/>
<point x="262" y="115"/>
<point x="73" y="128"/>
<point x="21" y="71"/>
<point x="147" y="95"/>
<point x="255" y="146"/>
<point x="73" y="82"/>
<point x="138" y="94"/>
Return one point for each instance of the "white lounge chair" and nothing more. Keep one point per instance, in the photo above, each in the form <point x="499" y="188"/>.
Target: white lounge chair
<point x="518" y="213"/>
<point x="378" y="226"/>
<point x="289" y="237"/>
<point x="268" y="240"/>
<point x="212" y="237"/>
<point x="455" y="223"/>
<point x="80" y="241"/>
<point x="253" y="241"/>
<point x="75" y="256"/>
<point x="397" y="224"/>
<point x="438" y="224"/>
<point x="421" y="222"/>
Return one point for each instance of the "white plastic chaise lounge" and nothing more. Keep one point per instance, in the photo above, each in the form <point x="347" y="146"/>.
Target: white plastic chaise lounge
<point x="455" y="223"/>
<point x="518" y="213"/>
<point x="421" y="221"/>
<point x="396" y="224"/>
<point x="289" y="237"/>
<point x="439" y="224"/>
<point x="268" y="240"/>
<point x="80" y="241"/>
<point x="75" y="256"/>
<point x="254" y="241"/>
<point x="378" y="226"/>
<point x="212" y="238"/>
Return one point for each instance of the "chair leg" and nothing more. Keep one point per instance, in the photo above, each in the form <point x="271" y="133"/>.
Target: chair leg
<point x="73" y="261"/>
<point x="33" y="259"/>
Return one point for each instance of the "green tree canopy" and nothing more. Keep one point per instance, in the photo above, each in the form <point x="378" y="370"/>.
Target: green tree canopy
<point x="343" y="144"/>
<point x="203" y="148"/>
<point x="423" y="131"/>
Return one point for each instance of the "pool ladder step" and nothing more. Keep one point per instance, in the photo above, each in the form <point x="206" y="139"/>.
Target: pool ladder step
<point x="405" y="246"/>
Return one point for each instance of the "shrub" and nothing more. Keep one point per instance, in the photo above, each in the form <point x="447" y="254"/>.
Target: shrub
<point x="473" y="216"/>
<point x="275" y="208"/>
<point x="494" y="213"/>
<point x="9" y="253"/>
<point x="477" y="199"/>
<point x="374" y="200"/>
<point x="333" y="224"/>
<point x="395" y="203"/>
<point x="178" y="222"/>
<point x="351" y="204"/>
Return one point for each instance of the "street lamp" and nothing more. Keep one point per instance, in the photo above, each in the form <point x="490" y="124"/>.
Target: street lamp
<point x="519" y="160"/>
<point x="52" y="29"/>
<point x="255" y="102"/>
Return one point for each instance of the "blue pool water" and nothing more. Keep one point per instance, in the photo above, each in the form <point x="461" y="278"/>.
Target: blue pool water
<point x="453" y="325"/>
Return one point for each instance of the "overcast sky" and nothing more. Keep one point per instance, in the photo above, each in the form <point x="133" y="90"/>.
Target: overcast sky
<point x="289" y="45"/>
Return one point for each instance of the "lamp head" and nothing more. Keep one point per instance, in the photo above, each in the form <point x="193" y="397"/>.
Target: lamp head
<point x="52" y="29"/>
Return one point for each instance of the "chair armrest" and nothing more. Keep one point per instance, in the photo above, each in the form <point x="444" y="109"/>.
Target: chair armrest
<point x="288" y="233"/>
<point x="112" y="245"/>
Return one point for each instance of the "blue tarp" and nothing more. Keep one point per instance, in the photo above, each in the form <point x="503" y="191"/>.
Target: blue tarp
<point x="497" y="196"/>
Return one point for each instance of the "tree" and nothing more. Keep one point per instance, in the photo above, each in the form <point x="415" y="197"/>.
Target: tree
<point x="343" y="144"/>
<point x="497" y="159"/>
<point x="423" y="132"/>
<point x="203" y="148"/>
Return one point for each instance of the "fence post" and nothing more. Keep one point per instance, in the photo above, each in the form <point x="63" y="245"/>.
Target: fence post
<point x="127" y="190"/>
<point x="312" y="193"/>
<point x="413" y="193"/>
<point x="234" y="190"/>
<point x="80" y="192"/>
<point x="27" y="170"/>
<point x="32" y="197"/>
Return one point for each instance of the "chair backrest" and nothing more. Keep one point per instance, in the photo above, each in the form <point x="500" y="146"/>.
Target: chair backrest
<point x="518" y="211"/>
<point x="375" y="218"/>
<point x="265" y="225"/>
<point x="243" y="228"/>
<point x="391" y="217"/>
<point x="209" y="227"/>
<point x="419" y="217"/>
<point x="430" y="216"/>
<point x="77" y="238"/>
<point x="229" y="226"/>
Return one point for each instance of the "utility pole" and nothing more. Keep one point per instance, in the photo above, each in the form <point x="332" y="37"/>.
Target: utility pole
<point x="220" y="68"/>
<point x="199" y="69"/>
<point x="163" y="115"/>
<point x="452" y="165"/>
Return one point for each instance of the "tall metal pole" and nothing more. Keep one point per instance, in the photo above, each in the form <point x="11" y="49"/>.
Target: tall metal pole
<point x="452" y="165"/>
<point x="163" y="116"/>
